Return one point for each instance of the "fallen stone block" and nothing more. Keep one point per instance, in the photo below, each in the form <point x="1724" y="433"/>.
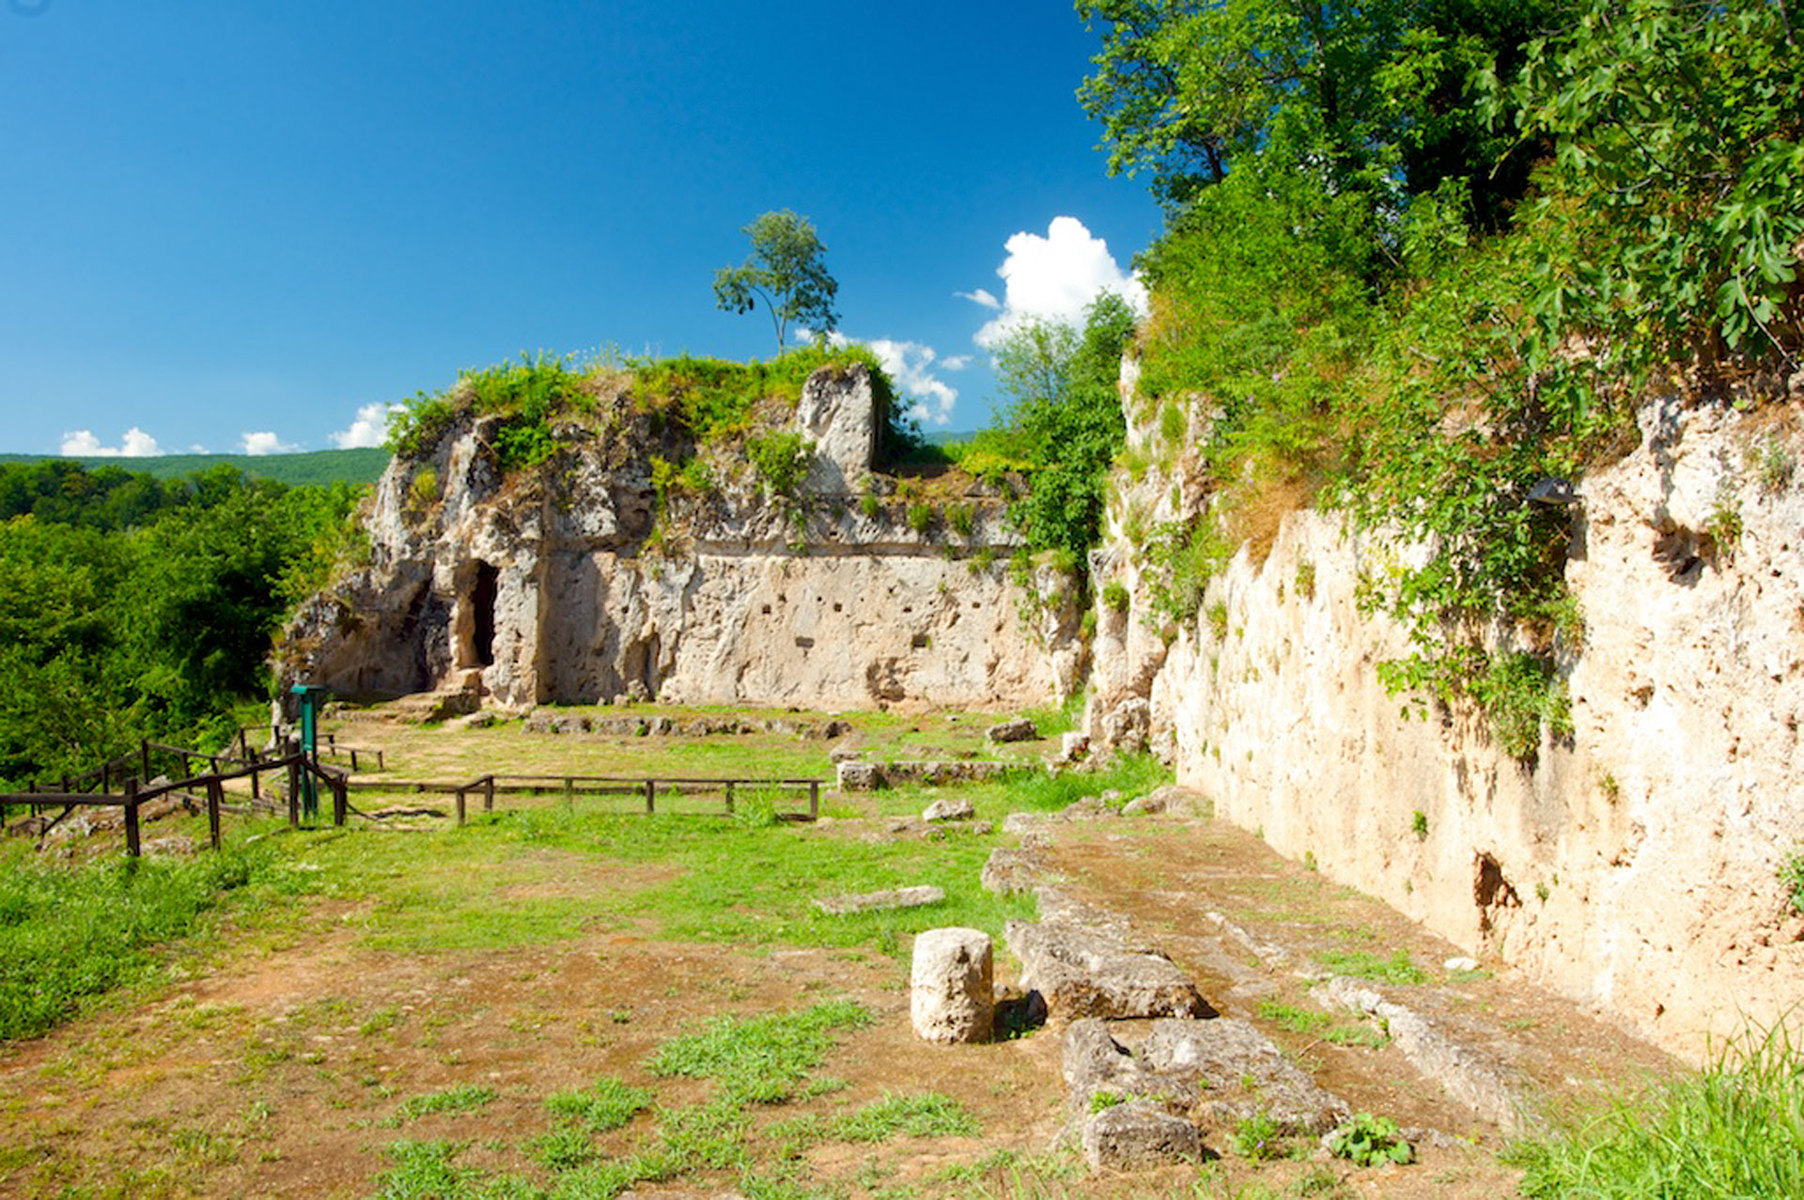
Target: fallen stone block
<point x="950" y="808"/>
<point x="951" y="986"/>
<point x="907" y="897"/>
<point x="1022" y="730"/>
<point x="1010" y="870"/>
<point x="1239" y="1072"/>
<point x="1084" y="975"/>
<point x="1136" y="1135"/>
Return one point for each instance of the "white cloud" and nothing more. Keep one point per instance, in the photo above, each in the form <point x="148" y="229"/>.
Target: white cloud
<point x="82" y="443"/>
<point x="981" y="296"/>
<point x="369" y="429"/>
<point x="1053" y="278"/>
<point x="957" y="362"/>
<point x="910" y="364"/>
<point x="264" y="442"/>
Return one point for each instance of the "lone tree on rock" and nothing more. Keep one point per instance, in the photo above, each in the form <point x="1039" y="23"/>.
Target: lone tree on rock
<point x="786" y="272"/>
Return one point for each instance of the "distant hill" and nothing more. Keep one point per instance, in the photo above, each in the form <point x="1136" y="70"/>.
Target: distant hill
<point x="312" y="467"/>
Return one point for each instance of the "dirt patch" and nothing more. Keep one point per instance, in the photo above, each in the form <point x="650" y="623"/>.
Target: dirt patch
<point x="284" y="1071"/>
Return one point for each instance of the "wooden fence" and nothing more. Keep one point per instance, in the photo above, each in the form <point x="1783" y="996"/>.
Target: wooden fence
<point x="134" y="795"/>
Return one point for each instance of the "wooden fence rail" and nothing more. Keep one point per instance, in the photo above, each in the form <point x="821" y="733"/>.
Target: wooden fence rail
<point x="572" y="786"/>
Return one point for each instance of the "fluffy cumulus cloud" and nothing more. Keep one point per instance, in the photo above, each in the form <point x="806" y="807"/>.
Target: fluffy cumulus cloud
<point x="1053" y="278"/>
<point x="369" y="429"/>
<point x="136" y="444"/>
<point x="264" y="442"/>
<point x="912" y="365"/>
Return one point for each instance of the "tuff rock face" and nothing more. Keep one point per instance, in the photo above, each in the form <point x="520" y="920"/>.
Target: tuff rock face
<point x="567" y="584"/>
<point x="1633" y="865"/>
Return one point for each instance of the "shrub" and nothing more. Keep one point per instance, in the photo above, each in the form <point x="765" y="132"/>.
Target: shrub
<point x="781" y="460"/>
<point x="1115" y="595"/>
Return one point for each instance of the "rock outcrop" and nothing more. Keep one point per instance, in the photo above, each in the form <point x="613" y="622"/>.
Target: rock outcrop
<point x="580" y="580"/>
<point x="1634" y="864"/>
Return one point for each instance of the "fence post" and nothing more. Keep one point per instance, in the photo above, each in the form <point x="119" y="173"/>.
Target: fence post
<point x="144" y="758"/>
<point x="214" y="788"/>
<point x="460" y="807"/>
<point x="488" y="794"/>
<point x="256" y="775"/>
<point x="569" y="792"/>
<point x="341" y="800"/>
<point x="131" y="818"/>
<point x="353" y="758"/>
<point x="294" y="793"/>
<point x="651" y="795"/>
<point x="379" y="765"/>
<point x="105" y="778"/>
<point x="814" y="799"/>
<point x="729" y="797"/>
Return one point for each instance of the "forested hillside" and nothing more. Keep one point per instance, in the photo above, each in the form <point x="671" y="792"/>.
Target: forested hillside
<point x="134" y="607"/>
<point x="322" y="467"/>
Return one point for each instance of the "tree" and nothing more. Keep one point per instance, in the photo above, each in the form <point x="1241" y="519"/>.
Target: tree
<point x="1375" y="97"/>
<point x="1065" y="419"/>
<point x="785" y="271"/>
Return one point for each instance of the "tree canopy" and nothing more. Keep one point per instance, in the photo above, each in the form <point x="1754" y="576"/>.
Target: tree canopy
<point x="787" y="271"/>
<point x="1374" y="96"/>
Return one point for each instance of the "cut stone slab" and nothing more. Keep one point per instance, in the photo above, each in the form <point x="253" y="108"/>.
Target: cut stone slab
<point x="950" y="808"/>
<point x="907" y="897"/>
<point x="1137" y="1135"/>
<point x="1468" y="1074"/>
<point x="951" y="986"/>
<point x="1239" y="1073"/>
<point x="1084" y="974"/>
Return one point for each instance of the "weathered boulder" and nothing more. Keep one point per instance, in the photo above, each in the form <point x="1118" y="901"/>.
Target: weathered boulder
<point x="1136" y="1135"/>
<point x="951" y="986"/>
<point x="1083" y="973"/>
<point x="1019" y="730"/>
<point x="949" y="808"/>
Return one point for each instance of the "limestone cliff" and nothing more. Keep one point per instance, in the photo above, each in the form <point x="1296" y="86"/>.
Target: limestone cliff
<point x="1632" y="865"/>
<point x="603" y="573"/>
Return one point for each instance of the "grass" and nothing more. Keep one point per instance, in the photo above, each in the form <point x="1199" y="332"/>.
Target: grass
<point x="458" y="1100"/>
<point x="1397" y="969"/>
<point x="759" y="1059"/>
<point x="1323" y="1026"/>
<point x="604" y="1105"/>
<point x="1735" y="1129"/>
<point x="68" y="936"/>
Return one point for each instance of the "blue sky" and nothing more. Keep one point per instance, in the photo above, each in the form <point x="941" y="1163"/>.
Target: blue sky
<point x="242" y="225"/>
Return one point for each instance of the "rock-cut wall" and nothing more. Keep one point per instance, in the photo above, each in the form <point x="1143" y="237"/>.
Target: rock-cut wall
<point x="1634" y="865"/>
<point x="576" y="583"/>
